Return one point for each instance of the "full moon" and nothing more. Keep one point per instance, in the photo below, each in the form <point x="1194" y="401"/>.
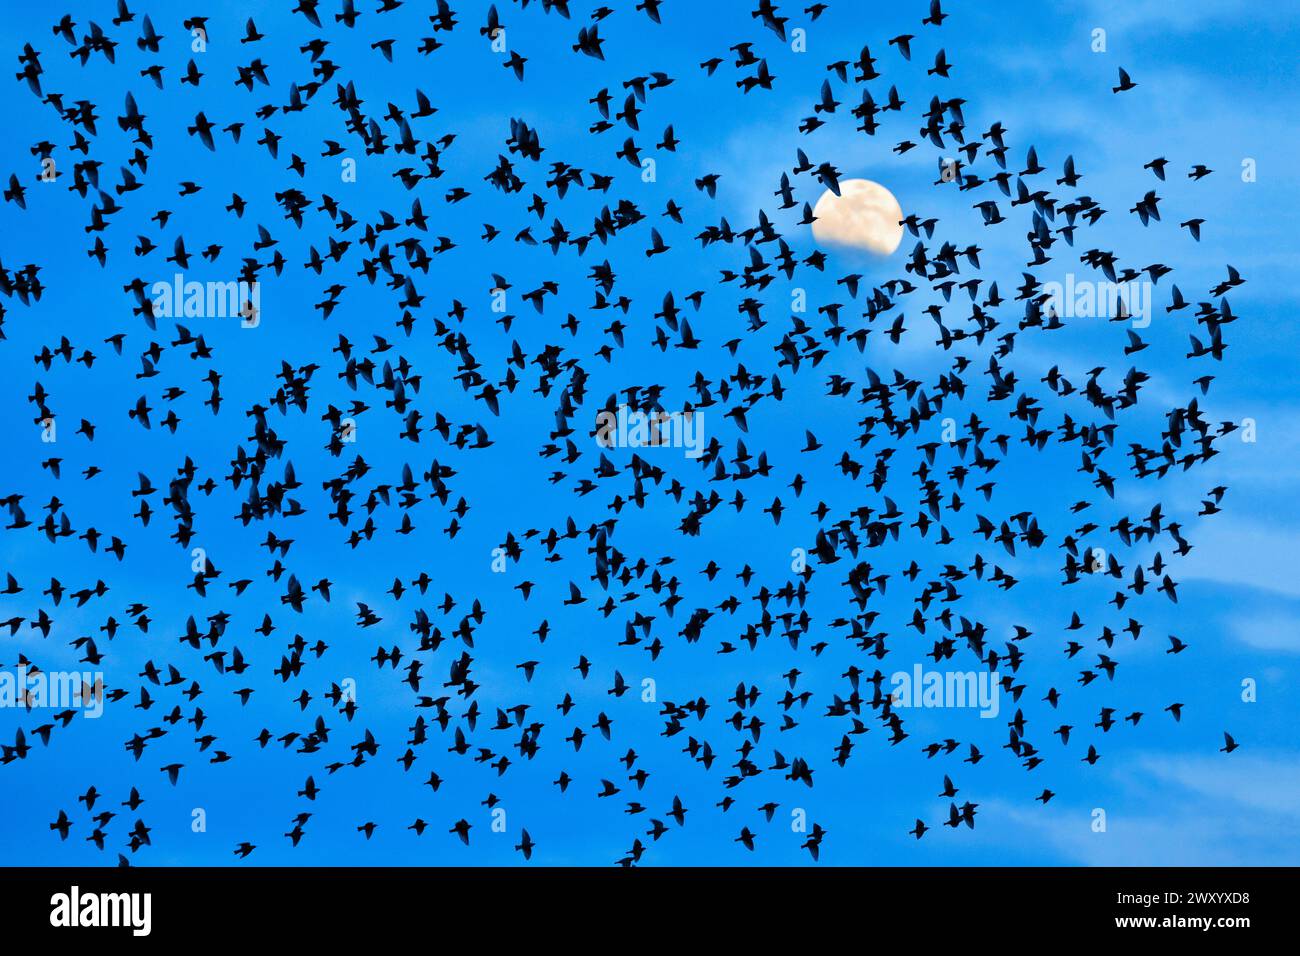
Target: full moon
<point x="865" y="215"/>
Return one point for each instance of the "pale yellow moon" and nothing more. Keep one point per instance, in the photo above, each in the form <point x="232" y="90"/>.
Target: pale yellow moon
<point x="865" y="215"/>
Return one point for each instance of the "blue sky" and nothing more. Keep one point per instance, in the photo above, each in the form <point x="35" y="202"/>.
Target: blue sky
<point x="1213" y="88"/>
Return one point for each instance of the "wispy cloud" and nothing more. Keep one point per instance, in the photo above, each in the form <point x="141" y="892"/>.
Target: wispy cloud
<point x="1178" y="811"/>
<point x="1250" y="554"/>
<point x="1271" y="631"/>
<point x="1172" y="17"/>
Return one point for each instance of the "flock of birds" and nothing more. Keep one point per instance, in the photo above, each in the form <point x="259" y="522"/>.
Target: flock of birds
<point x="236" y="647"/>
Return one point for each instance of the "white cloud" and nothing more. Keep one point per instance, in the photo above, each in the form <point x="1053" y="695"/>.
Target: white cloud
<point x="1165" y="16"/>
<point x="1268" y="632"/>
<point x="1174" y="810"/>
<point x="1254" y="555"/>
<point x="1267" y="784"/>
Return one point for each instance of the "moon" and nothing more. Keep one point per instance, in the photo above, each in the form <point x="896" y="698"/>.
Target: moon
<point x="865" y="215"/>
